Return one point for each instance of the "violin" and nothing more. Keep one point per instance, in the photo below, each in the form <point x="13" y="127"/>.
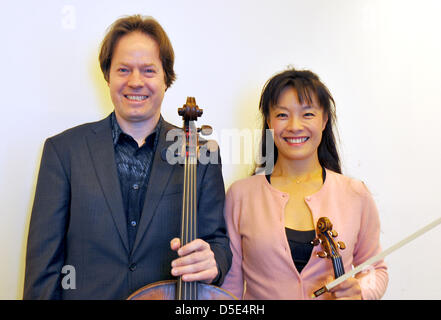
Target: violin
<point x="179" y="289"/>
<point x="325" y="237"/>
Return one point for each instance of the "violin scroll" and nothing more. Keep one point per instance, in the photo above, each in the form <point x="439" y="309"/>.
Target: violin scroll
<point x="325" y="235"/>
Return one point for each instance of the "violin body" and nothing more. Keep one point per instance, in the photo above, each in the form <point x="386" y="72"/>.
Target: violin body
<point x="166" y="290"/>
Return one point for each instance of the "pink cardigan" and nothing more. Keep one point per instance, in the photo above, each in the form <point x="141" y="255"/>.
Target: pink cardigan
<point x="254" y="213"/>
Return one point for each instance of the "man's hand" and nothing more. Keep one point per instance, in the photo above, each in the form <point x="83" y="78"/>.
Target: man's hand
<point x="196" y="261"/>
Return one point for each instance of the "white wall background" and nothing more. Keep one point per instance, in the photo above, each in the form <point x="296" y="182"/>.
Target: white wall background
<point x="381" y="60"/>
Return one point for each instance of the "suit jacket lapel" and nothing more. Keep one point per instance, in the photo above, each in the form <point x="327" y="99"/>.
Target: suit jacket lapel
<point x="103" y="157"/>
<point x="160" y="175"/>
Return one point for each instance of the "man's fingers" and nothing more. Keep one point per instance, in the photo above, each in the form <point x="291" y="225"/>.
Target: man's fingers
<point x="194" y="258"/>
<point x="175" y="243"/>
<point x="195" y="272"/>
<point x="195" y="245"/>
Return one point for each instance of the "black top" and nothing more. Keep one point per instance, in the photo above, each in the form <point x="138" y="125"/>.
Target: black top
<point x="300" y="241"/>
<point x="134" y="165"/>
<point x="300" y="245"/>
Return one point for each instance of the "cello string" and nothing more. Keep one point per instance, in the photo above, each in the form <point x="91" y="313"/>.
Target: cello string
<point x="194" y="212"/>
<point x="191" y="214"/>
<point x="192" y="202"/>
<point x="187" y="285"/>
<point x="188" y="229"/>
<point x="186" y="218"/>
<point x="189" y="221"/>
<point x="180" y="282"/>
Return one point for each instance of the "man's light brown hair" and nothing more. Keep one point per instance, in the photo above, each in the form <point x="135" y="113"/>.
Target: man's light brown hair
<point x="146" y="25"/>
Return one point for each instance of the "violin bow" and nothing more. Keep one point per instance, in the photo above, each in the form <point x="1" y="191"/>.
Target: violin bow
<point x="376" y="258"/>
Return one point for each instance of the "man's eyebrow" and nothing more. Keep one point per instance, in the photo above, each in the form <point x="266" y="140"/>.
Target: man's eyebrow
<point x="125" y="63"/>
<point x="149" y="65"/>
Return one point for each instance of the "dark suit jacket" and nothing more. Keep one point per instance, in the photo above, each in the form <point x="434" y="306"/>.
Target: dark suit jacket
<point x="78" y="219"/>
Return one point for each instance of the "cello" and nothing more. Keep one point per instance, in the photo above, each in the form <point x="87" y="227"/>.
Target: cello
<point x="179" y="289"/>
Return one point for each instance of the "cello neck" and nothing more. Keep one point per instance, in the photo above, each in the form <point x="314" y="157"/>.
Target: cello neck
<point x="188" y="290"/>
<point x="189" y="201"/>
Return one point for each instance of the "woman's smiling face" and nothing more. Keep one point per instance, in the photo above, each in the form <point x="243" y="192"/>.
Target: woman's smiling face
<point x="297" y="126"/>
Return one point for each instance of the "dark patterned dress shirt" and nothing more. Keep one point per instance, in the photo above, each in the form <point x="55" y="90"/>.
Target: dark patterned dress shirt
<point x="133" y="164"/>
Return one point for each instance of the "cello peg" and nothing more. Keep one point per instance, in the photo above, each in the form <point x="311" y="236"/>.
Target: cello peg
<point x="341" y="245"/>
<point x="316" y="242"/>
<point x="334" y="233"/>
<point x="322" y="254"/>
<point x="205" y="130"/>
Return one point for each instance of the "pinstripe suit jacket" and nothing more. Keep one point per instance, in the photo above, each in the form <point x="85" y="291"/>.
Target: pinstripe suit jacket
<point x="78" y="219"/>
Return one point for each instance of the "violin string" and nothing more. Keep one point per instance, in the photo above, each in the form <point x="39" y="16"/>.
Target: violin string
<point x="336" y="258"/>
<point x="339" y="267"/>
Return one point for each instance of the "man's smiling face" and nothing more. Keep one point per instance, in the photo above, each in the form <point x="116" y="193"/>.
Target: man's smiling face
<point x="136" y="79"/>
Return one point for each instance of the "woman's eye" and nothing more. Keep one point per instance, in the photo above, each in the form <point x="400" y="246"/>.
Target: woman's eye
<point x="123" y="70"/>
<point x="309" y="114"/>
<point x="281" y="115"/>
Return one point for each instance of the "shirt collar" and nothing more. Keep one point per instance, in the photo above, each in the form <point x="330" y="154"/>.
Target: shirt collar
<point x="117" y="131"/>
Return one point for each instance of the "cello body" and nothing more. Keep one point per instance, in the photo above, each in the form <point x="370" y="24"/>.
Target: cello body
<point x="166" y="290"/>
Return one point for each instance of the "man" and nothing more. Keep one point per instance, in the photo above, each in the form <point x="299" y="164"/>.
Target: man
<point x="107" y="207"/>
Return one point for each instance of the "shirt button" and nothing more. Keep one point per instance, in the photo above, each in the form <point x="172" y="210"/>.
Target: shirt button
<point x="133" y="223"/>
<point x="308" y="198"/>
<point x="132" y="267"/>
<point x="135" y="186"/>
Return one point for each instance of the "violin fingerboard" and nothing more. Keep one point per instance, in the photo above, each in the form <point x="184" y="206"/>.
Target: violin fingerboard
<point x="338" y="267"/>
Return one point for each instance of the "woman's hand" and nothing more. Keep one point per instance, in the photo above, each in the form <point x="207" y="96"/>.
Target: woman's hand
<point x="196" y="261"/>
<point x="347" y="290"/>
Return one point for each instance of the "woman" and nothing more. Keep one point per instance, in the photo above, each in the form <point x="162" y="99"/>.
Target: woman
<point x="271" y="217"/>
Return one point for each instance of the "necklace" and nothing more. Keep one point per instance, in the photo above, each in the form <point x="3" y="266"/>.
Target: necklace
<point x="308" y="177"/>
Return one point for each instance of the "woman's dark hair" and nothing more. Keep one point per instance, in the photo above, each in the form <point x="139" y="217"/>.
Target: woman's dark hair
<point x="146" y="25"/>
<point x="305" y="83"/>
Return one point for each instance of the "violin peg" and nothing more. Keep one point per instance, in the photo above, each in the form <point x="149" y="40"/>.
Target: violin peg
<point x="341" y="245"/>
<point x="322" y="254"/>
<point x="334" y="233"/>
<point x="316" y="242"/>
